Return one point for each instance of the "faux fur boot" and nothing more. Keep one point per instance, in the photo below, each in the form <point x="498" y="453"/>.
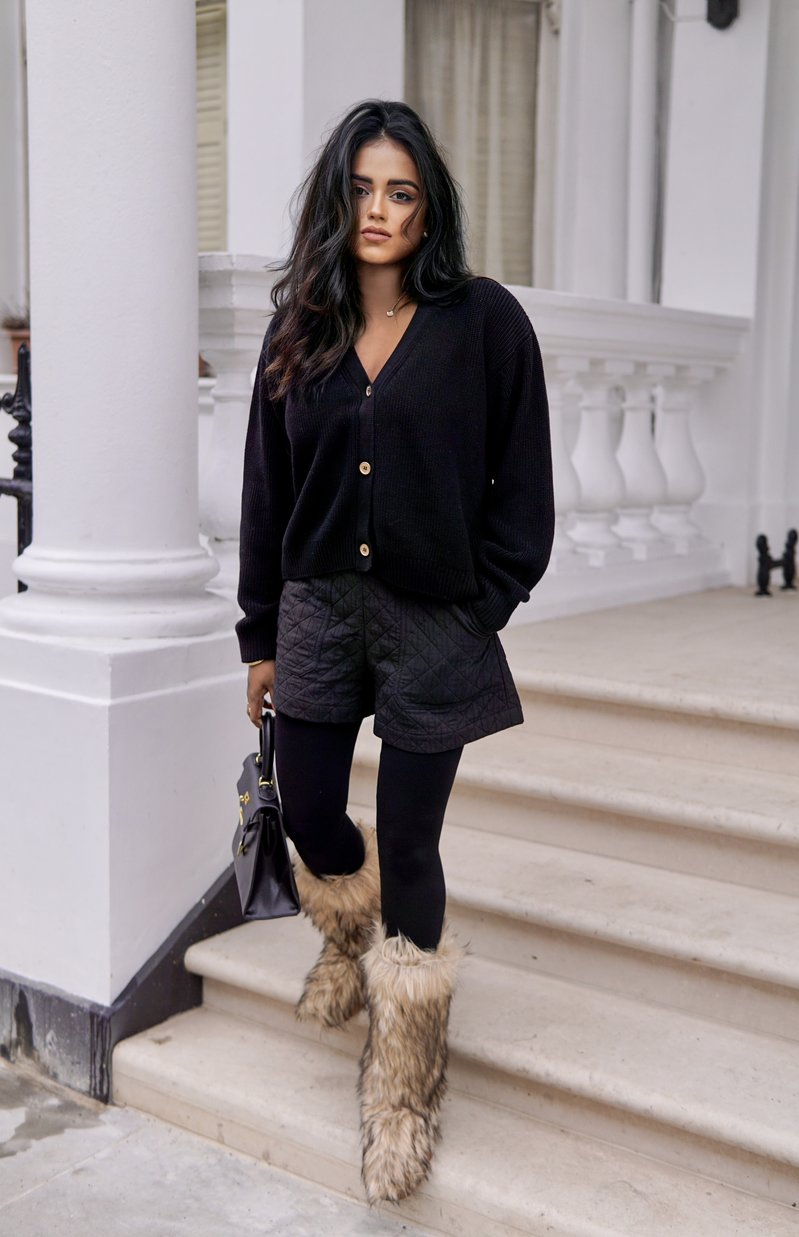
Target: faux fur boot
<point x="402" y="1078"/>
<point x="343" y="908"/>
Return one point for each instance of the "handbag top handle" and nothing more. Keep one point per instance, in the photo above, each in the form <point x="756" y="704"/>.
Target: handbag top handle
<point x="267" y="745"/>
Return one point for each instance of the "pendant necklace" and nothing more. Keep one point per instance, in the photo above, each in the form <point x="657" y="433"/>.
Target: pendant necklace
<point x="390" y="312"/>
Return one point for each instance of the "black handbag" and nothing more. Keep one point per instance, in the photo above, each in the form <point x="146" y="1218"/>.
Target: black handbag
<point x="264" y="873"/>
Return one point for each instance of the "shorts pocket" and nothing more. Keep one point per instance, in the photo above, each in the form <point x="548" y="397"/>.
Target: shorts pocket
<point x="444" y="660"/>
<point x="464" y="612"/>
<point x="303" y="618"/>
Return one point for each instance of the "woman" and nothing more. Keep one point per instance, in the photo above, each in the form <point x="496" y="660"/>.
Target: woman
<point x="396" y="508"/>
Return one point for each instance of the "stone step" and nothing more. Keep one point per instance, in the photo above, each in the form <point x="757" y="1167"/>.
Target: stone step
<point x="698" y="676"/>
<point x="717" y="950"/>
<point x="704" y="819"/>
<point x="709" y="948"/>
<point x="497" y="1173"/>
<point x="683" y="1089"/>
<point x="717" y="728"/>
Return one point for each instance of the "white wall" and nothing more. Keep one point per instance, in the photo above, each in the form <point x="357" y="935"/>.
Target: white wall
<point x="265" y="110"/>
<point x="293" y="69"/>
<point x="714" y="159"/>
<point x="590" y="256"/>
<point x="353" y="50"/>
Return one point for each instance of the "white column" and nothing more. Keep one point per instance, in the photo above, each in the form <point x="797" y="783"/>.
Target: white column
<point x="715" y="140"/>
<point x="14" y="210"/>
<point x="641" y="159"/>
<point x="115" y="549"/>
<point x="770" y="456"/>
<point x="593" y="126"/>
<point x="234" y="313"/>
<point x="119" y="766"/>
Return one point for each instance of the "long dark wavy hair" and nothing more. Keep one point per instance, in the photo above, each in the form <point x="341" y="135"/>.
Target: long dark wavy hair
<point x="317" y="302"/>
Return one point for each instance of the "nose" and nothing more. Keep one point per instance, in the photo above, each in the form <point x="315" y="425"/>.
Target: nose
<point x="376" y="210"/>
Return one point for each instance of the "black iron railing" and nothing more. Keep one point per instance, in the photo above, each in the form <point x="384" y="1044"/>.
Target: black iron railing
<point x="20" y="485"/>
<point x="766" y="564"/>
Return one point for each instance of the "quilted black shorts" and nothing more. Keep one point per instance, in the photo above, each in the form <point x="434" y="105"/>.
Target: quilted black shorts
<point x="350" y="645"/>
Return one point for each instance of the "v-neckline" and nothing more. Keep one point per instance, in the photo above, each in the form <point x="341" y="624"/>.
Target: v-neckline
<point x="356" y="367"/>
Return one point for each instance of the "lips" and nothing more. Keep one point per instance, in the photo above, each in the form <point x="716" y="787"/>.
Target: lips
<point x="374" y="232"/>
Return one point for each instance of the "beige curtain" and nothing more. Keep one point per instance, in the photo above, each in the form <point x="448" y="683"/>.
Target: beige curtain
<point x="470" y="72"/>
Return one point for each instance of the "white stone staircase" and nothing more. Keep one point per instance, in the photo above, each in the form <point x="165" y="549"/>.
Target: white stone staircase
<point x="625" y="1033"/>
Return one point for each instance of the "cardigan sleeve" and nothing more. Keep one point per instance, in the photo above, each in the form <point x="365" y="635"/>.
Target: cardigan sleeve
<point x="267" y="501"/>
<point x="518" y="519"/>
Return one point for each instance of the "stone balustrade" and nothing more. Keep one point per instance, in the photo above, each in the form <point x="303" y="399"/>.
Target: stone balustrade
<point x="624" y="381"/>
<point x="234" y="314"/>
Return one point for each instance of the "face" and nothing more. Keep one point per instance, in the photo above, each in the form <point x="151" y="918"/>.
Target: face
<point x="386" y="187"/>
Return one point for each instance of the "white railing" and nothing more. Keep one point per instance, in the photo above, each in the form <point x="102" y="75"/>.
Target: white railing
<point x="624" y="383"/>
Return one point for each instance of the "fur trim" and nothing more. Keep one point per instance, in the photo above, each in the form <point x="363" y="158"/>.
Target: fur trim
<point x="402" y="1077"/>
<point x="343" y="908"/>
<point x="333" y="990"/>
<point x="414" y="973"/>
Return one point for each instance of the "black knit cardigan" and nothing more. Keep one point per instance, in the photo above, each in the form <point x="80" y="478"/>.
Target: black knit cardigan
<point x="437" y="476"/>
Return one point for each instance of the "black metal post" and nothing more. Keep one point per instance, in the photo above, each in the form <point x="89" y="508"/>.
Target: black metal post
<point x="20" y="485"/>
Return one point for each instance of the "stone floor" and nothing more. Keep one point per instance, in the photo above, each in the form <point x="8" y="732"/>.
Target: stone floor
<point x="77" y="1168"/>
<point x="721" y="643"/>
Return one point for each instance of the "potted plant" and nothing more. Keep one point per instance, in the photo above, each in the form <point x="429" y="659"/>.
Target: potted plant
<point x="18" y="326"/>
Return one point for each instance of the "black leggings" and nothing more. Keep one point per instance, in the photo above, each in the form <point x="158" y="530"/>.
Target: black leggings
<point x="313" y="762"/>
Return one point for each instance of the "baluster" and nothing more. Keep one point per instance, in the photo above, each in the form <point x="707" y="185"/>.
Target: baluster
<point x="644" y="477"/>
<point x="685" y="477"/>
<point x="567" y="486"/>
<point x="234" y="291"/>
<point x="600" y="477"/>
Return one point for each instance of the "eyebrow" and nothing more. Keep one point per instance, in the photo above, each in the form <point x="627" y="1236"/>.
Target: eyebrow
<point x="368" y="180"/>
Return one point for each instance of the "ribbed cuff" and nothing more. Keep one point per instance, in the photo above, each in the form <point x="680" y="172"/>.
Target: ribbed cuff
<point x="256" y="642"/>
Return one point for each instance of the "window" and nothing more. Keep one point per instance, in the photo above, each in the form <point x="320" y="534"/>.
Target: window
<point x="211" y="126"/>
<point x="471" y="71"/>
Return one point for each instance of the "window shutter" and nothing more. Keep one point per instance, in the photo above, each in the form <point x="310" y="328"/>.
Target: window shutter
<point x="211" y="127"/>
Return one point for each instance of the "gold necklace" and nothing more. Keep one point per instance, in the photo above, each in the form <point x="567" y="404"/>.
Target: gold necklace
<point x="390" y="312"/>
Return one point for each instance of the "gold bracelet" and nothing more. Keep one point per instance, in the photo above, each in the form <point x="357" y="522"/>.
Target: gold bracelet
<point x="258" y="662"/>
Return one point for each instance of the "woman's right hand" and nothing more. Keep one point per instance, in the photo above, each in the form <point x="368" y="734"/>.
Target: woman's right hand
<point x="260" y="680"/>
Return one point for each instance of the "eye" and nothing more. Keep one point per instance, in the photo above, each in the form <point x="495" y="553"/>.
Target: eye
<point x="405" y="195"/>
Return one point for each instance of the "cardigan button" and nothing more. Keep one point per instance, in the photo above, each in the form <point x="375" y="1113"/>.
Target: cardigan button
<point x="365" y="467"/>
<point x="369" y="390"/>
<point x="364" y="548"/>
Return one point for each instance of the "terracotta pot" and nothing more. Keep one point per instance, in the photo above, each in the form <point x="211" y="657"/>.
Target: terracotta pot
<point x="17" y="337"/>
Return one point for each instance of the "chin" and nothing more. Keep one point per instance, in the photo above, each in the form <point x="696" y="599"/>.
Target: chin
<point x="379" y="259"/>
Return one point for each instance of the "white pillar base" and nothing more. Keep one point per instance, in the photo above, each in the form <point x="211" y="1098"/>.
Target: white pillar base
<point x="119" y="778"/>
<point x="134" y="595"/>
<point x="226" y="554"/>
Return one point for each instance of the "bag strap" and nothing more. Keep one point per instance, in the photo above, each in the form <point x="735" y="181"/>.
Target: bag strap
<point x="267" y="746"/>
